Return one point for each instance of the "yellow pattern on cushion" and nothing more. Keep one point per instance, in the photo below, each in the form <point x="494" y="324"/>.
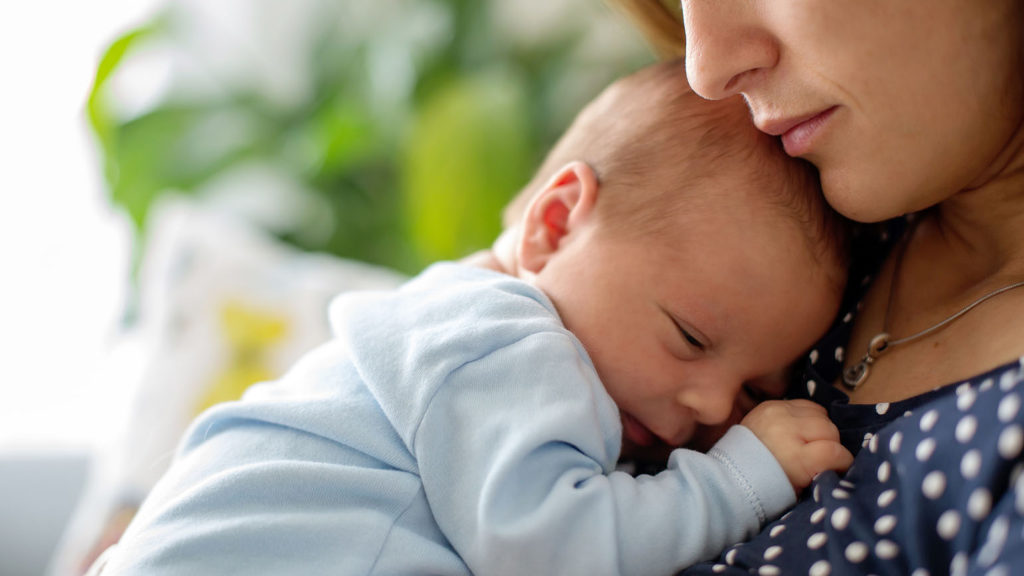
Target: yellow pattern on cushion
<point x="251" y="333"/>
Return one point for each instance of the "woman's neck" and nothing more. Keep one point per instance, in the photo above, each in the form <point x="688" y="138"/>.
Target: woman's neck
<point x="969" y="246"/>
<point x="981" y="229"/>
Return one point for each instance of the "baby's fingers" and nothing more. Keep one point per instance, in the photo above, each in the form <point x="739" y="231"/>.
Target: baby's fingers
<point x="814" y="429"/>
<point x="822" y="455"/>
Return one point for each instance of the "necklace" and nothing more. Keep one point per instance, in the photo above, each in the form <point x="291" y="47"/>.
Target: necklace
<point x="882" y="342"/>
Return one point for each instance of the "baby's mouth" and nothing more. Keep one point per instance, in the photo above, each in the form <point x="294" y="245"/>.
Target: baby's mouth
<point x="636" y="432"/>
<point x="641" y="446"/>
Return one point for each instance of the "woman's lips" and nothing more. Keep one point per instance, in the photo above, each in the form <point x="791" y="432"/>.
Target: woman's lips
<point x="798" y="133"/>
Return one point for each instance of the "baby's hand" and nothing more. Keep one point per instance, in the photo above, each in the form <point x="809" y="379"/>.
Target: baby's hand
<point x="801" y="437"/>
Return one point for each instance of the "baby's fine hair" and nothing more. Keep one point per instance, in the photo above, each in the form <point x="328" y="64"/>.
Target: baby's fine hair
<point x="651" y="140"/>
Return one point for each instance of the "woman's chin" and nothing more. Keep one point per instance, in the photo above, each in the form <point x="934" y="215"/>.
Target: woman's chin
<point x="867" y="201"/>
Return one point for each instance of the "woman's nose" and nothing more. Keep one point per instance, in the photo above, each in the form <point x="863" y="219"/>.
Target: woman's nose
<point x="727" y="46"/>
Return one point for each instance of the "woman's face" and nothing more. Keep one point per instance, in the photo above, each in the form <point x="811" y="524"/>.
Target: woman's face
<point x="900" y="103"/>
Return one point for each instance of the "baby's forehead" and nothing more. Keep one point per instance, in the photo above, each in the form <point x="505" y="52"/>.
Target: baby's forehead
<point x="718" y="135"/>
<point x="755" y="189"/>
<point x="720" y="164"/>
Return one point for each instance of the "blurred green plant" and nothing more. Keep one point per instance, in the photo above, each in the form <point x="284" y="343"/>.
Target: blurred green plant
<point x="403" y="125"/>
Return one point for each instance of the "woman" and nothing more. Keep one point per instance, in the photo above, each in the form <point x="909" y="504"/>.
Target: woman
<point x="907" y="108"/>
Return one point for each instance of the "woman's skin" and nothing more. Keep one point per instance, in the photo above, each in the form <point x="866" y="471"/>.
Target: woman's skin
<point x="904" y="105"/>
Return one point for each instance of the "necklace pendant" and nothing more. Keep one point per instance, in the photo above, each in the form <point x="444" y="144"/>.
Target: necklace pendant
<point x="855" y="375"/>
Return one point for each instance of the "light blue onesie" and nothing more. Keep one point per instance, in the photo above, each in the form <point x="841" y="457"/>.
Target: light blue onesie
<point x="453" y="426"/>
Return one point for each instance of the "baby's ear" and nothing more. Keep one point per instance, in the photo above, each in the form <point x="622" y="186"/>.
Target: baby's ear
<point x="558" y="210"/>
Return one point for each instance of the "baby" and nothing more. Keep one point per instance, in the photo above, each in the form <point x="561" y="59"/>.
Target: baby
<point x="658" y="277"/>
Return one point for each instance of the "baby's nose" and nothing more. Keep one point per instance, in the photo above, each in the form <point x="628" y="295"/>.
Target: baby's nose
<point x="711" y="405"/>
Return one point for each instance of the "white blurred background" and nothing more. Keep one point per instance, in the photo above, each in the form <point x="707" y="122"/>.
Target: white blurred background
<point x="65" y="256"/>
<point x="64" y="250"/>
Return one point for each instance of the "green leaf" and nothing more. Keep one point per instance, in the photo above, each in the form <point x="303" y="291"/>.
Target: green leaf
<point x="101" y="118"/>
<point x="170" y="149"/>
<point x="343" y="135"/>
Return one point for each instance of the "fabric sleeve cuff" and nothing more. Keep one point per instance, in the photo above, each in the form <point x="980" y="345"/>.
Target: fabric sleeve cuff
<point x="758" y="474"/>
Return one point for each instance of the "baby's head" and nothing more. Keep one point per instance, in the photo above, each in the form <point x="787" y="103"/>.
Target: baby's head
<point x="693" y="259"/>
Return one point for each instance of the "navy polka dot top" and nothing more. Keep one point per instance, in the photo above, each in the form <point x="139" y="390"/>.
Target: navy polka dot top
<point x="936" y="485"/>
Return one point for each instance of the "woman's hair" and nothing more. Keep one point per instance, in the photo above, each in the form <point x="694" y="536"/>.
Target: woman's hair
<point x="660" y="21"/>
<point x="653" y="143"/>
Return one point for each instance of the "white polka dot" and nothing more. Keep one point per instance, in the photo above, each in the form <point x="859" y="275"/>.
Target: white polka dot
<point x="847" y="484"/>
<point x="965" y="397"/>
<point x="886" y="498"/>
<point x="979" y="504"/>
<point x="993" y="547"/>
<point x="719" y="568"/>
<point x="884" y="470"/>
<point x="848" y="317"/>
<point x="856" y="552"/>
<point x="928" y="420"/>
<point x="970" y="464"/>
<point x="895" y="442"/>
<point x="966" y="428"/>
<point x="818" y="515"/>
<point x="1009" y="407"/>
<point x="873" y="443"/>
<point x="949" y="524"/>
<point x="865" y="440"/>
<point x="1000" y="570"/>
<point x="1018" y="493"/>
<point x="841" y="518"/>
<point x="820" y="568"/>
<point x="772" y="552"/>
<point x="811" y="387"/>
<point x="920" y="572"/>
<point x="986" y="385"/>
<point x="730" y="557"/>
<point x="882" y="407"/>
<point x="886" y="549"/>
<point x="1011" y="440"/>
<point x="817" y="540"/>
<point x="769" y="570"/>
<point x="925" y="449"/>
<point x="1007" y="381"/>
<point x="934" y="484"/>
<point x="885" y="524"/>
<point x="958" y="566"/>
<point x="840" y="494"/>
<point x="776" y="530"/>
<point x="839" y="354"/>
<point x="813" y="356"/>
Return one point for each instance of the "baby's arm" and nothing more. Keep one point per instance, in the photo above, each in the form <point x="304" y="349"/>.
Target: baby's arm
<point x="801" y="437"/>
<point x="517" y="463"/>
